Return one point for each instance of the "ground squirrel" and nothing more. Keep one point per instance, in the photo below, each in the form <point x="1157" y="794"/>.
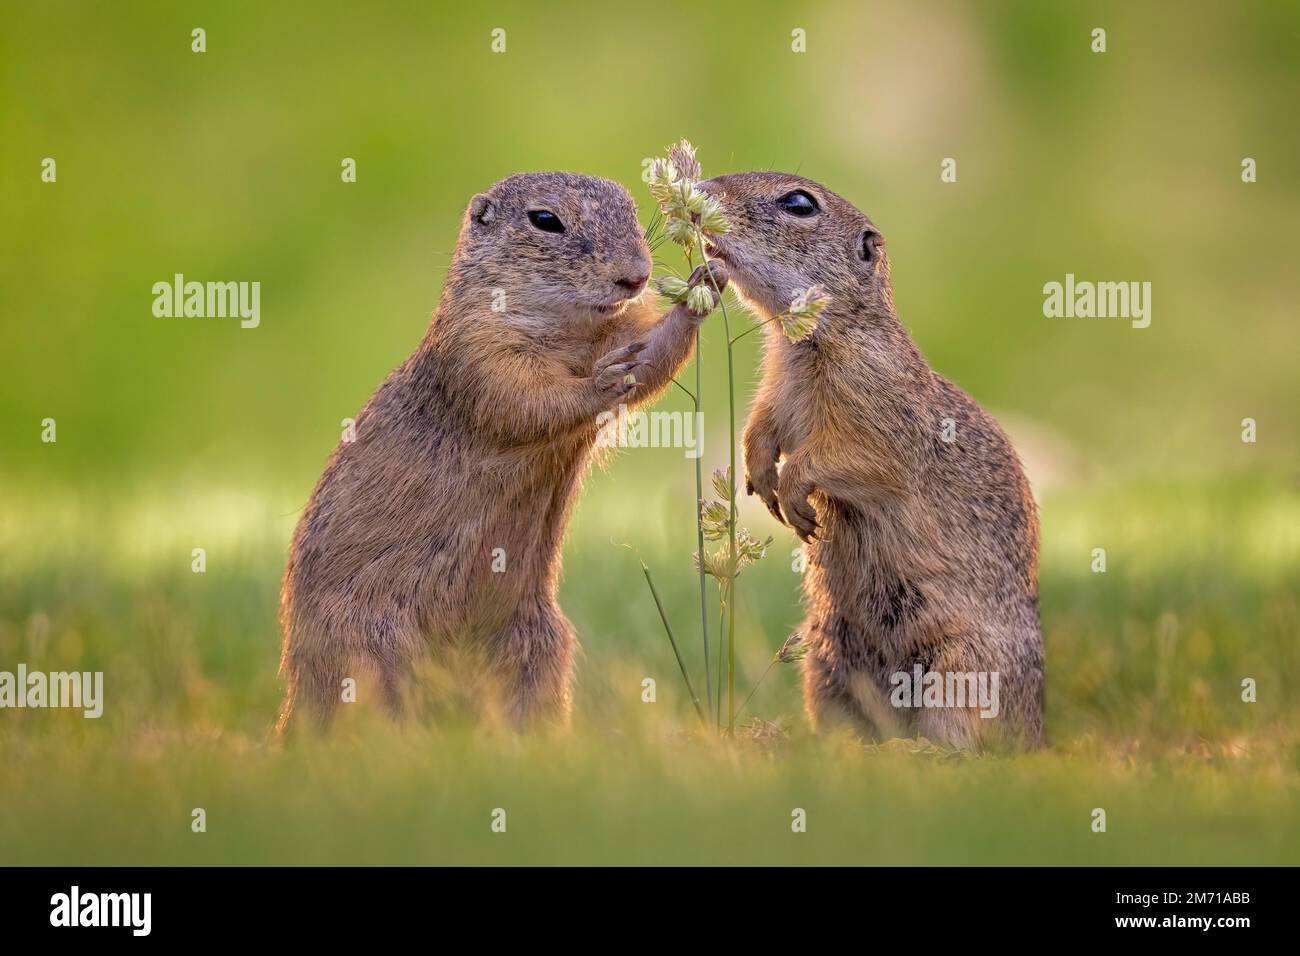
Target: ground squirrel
<point x="440" y="525"/>
<point x="922" y="534"/>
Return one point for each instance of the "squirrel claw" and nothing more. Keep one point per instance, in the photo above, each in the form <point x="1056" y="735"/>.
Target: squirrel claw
<point x="611" y="375"/>
<point x="767" y="497"/>
<point x="714" y="274"/>
<point x="804" y="525"/>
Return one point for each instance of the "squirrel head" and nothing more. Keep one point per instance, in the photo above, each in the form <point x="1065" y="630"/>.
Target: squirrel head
<point x="789" y="233"/>
<point x="552" y="245"/>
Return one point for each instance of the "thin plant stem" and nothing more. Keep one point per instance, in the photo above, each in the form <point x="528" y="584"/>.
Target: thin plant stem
<point x="754" y="328"/>
<point x="699" y="518"/>
<point x="770" y="664"/>
<point x="731" y="524"/>
<point x="695" y="699"/>
<point x="722" y="619"/>
<point x="683" y="388"/>
<point x="731" y="656"/>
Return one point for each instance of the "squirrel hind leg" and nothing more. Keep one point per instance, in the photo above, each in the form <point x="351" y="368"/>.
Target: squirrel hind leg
<point x="534" y="661"/>
<point x="834" y="700"/>
<point x="312" y="695"/>
<point x="958" y="728"/>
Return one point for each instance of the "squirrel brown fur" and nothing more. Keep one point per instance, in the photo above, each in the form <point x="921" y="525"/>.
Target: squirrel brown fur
<point x="921" y="532"/>
<point x="439" y="527"/>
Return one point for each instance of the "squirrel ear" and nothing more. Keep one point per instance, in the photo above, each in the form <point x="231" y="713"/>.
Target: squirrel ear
<point x="869" y="248"/>
<point x="483" y="209"/>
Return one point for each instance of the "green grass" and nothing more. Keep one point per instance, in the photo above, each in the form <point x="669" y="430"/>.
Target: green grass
<point x="1145" y="715"/>
<point x="176" y="434"/>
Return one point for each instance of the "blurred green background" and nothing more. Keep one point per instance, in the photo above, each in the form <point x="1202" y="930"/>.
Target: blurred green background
<point x="183" y="433"/>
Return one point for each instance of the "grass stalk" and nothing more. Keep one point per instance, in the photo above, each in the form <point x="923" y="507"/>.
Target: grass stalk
<point x="757" y="685"/>
<point x="722" y="623"/>
<point x="695" y="698"/>
<point x="733" y="518"/>
<point x="699" y="520"/>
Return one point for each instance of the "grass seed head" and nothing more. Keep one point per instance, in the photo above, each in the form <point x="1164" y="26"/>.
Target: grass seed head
<point x="714" y="516"/>
<point x="700" y="300"/>
<point x="681" y="232"/>
<point x="682" y="157"/>
<point x="794" y="649"/>
<point x="673" y="288"/>
<point x="800" y="320"/>
<point x="690" y="213"/>
<point x="713" y="221"/>
<point x="723" y="485"/>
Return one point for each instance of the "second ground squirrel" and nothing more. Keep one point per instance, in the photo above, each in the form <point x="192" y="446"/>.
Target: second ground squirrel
<point x="922" y="534"/>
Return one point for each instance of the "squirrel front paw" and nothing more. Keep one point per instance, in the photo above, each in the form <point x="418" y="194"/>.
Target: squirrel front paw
<point x="793" y="489"/>
<point x="611" y="371"/>
<point x="761" y="454"/>
<point x="713" y="278"/>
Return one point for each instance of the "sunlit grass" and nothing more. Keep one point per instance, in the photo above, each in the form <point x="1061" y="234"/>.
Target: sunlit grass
<point x="176" y="435"/>
<point x="1145" y="712"/>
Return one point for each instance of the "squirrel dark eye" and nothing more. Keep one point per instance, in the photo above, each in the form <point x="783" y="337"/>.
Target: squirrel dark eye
<point x="798" y="203"/>
<point x="545" y="220"/>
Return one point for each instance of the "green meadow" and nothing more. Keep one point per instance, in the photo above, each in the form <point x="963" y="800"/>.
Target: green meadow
<point x="183" y="433"/>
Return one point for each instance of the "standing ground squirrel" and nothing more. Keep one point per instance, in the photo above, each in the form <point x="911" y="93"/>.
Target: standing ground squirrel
<point x="439" y="528"/>
<point x="920" y="529"/>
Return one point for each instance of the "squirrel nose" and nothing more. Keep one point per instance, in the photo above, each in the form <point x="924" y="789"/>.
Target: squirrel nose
<point x="633" y="286"/>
